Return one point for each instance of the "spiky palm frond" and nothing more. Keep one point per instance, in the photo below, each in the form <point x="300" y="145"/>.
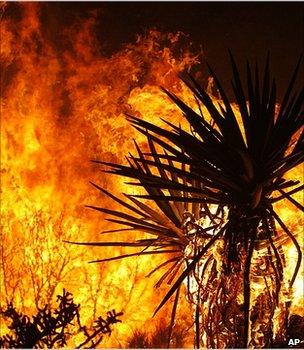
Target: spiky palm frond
<point x="235" y="165"/>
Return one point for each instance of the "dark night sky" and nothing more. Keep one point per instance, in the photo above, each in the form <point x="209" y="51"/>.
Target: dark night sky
<point x="249" y="29"/>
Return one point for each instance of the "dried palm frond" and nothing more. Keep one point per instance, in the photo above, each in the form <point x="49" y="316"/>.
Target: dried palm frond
<point x="224" y="172"/>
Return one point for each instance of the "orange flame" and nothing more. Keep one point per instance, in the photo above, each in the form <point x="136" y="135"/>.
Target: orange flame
<point x="61" y="108"/>
<point x="62" y="105"/>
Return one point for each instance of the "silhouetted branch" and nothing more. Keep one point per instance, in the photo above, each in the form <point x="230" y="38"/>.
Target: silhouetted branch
<point x="51" y="329"/>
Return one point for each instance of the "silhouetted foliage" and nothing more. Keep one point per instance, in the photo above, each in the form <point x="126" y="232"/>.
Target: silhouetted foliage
<point x="51" y="328"/>
<point x="158" y="339"/>
<point x="139" y="340"/>
<point x="216" y="182"/>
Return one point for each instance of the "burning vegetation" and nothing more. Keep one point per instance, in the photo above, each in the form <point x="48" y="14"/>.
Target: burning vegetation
<point x="214" y="187"/>
<point x="212" y="200"/>
<point x="52" y="328"/>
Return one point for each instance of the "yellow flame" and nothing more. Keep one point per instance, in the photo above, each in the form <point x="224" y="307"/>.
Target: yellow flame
<point x="60" y="108"/>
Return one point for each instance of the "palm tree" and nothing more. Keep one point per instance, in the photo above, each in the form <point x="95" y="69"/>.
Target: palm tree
<point x="213" y="187"/>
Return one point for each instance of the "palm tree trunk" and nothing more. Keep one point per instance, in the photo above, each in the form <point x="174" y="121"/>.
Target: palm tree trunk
<point x="234" y="311"/>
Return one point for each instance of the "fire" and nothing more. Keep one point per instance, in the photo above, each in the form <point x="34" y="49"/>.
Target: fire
<point x="60" y="109"/>
<point x="63" y="104"/>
